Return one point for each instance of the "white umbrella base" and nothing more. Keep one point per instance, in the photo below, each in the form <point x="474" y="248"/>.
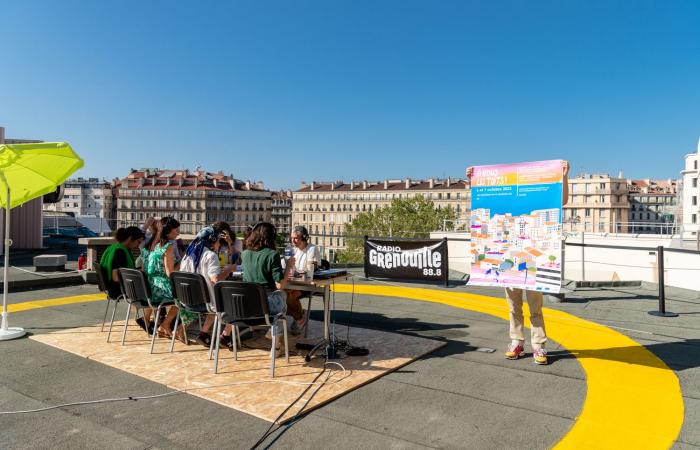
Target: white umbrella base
<point x="11" y="333"/>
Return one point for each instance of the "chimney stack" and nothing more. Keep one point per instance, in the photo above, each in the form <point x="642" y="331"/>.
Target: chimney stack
<point x="386" y="184"/>
<point x="431" y="183"/>
<point x="408" y="183"/>
<point x="364" y="184"/>
<point x="352" y="185"/>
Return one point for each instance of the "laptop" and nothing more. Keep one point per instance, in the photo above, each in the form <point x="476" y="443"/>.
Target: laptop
<point x="329" y="273"/>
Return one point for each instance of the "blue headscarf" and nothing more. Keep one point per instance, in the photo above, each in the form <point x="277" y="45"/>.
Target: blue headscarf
<point x="196" y="247"/>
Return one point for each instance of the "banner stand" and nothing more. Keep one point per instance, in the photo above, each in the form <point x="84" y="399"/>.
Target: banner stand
<point x="447" y="265"/>
<point x="365" y="258"/>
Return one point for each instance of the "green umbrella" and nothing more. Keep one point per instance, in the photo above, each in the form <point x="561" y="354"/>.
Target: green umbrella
<point x="28" y="171"/>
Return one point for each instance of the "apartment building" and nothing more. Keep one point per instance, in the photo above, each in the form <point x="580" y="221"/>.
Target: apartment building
<point x="597" y="203"/>
<point x="689" y="197"/>
<point x="86" y="197"/>
<point x="654" y="206"/>
<point x="196" y="198"/>
<point x="282" y="211"/>
<point x="326" y="207"/>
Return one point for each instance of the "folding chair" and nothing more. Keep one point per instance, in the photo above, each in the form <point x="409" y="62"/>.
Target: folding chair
<point x="242" y="303"/>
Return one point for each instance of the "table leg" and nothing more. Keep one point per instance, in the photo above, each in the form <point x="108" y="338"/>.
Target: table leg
<point x="326" y="312"/>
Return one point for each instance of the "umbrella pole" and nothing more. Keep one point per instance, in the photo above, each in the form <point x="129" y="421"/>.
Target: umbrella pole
<point x="6" y="332"/>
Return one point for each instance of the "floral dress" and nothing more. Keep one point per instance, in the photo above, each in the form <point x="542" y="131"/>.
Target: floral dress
<point x="159" y="282"/>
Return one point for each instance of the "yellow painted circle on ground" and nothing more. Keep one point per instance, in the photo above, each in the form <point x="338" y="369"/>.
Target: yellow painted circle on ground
<point x="633" y="398"/>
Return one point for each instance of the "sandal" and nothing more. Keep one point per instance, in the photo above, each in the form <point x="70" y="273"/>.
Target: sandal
<point x="164" y="333"/>
<point x="182" y="336"/>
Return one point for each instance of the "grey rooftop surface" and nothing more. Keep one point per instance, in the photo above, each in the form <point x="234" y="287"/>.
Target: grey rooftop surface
<point x="460" y="396"/>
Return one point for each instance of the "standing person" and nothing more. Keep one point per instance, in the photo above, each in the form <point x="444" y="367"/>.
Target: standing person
<point x="262" y="265"/>
<point x="201" y="257"/>
<point x="159" y="265"/>
<point x="307" y="258"/>
<point x="535" y="300"/>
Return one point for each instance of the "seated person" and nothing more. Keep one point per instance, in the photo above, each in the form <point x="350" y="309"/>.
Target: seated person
<point x="262" y="265"/>
<point x="119" y="255"/>
<point x="307" y="259"/>
<point x="201" y="257"/>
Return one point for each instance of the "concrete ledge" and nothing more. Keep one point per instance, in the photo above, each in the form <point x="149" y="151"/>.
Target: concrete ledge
<point x="65" y="280"/>
<point x="50" y="263"/>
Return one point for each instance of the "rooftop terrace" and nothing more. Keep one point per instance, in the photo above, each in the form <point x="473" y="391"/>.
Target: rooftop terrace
<point x="614" y="370"/>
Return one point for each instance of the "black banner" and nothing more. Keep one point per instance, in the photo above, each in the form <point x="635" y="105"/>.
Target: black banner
<point x="420" y="259"/>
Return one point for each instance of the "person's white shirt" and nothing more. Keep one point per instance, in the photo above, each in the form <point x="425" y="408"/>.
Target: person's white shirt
<point x="305" y="259"/>
<point x="208" y="267"/>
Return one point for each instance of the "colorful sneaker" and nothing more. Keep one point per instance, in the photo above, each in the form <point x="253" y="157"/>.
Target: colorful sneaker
<point x="515" y="351"/>
<point x="540" y="356"/>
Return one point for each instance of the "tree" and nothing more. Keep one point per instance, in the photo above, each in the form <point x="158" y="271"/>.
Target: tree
<point x="408" y="218"/>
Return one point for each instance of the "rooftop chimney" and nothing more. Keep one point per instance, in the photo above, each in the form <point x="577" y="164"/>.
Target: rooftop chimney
<point x="386" y="184"/>
<point x="313" y="185"/>
<point x="364" y="184"/>
<point x="431" y="183"/>
<point x="408" y="183"/>
<point x="352" y="185"/>
<point x="449" y="181"/>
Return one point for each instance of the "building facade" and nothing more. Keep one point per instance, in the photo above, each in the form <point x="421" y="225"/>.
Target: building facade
<point x="689" y="196"/>
<point x="86" y="197"/>
<point x="597" y="203"/>
<point x="25" y="221"/>
<point x="196" y="198"/>
<point x="326" y="207"/>
<point x="654" y="206"/>
<point x="282" y="211"/>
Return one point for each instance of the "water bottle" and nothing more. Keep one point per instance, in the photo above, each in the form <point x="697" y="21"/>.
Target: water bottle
<point x="288" y="252"/>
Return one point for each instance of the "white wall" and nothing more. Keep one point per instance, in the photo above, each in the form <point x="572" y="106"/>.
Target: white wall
<point x="457" y="249"/>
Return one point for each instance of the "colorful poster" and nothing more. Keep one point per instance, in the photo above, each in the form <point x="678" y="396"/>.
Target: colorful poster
<point x="516" y="227"/>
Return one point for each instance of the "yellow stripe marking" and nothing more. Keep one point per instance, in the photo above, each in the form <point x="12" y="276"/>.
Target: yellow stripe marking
<point x="25" y="306"/>
<point x="633" y="398"/>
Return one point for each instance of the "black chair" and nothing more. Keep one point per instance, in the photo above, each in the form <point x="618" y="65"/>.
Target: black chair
<point x="192" y="294"/>
<point x="104" y="287"/>
<point x="242" y="303"/>
<point x="138" y="294"/>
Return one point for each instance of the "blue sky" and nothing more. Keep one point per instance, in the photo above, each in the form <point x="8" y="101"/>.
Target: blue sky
<point x="300" y="90"/>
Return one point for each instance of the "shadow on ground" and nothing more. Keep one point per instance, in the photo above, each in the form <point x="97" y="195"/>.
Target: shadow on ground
<point x="682" y="355"/>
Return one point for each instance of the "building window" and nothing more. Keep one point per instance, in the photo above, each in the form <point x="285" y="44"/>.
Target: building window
<point x="695" y="200"/>
<point x="695" y="182"/>
<point x="694" y="218"/>
<point x="587" y="212"/>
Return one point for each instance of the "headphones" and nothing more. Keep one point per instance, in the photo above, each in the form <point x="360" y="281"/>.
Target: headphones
<point x="301" y="229"/>
<point x="259" y="224"/>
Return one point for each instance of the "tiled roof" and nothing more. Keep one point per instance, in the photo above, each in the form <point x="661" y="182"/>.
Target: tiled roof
<point x="184" y="179"/>
<point x="377" y="186"/>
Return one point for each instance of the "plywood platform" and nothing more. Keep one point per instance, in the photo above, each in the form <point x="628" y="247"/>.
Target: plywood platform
<point x="245" y="385"/>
